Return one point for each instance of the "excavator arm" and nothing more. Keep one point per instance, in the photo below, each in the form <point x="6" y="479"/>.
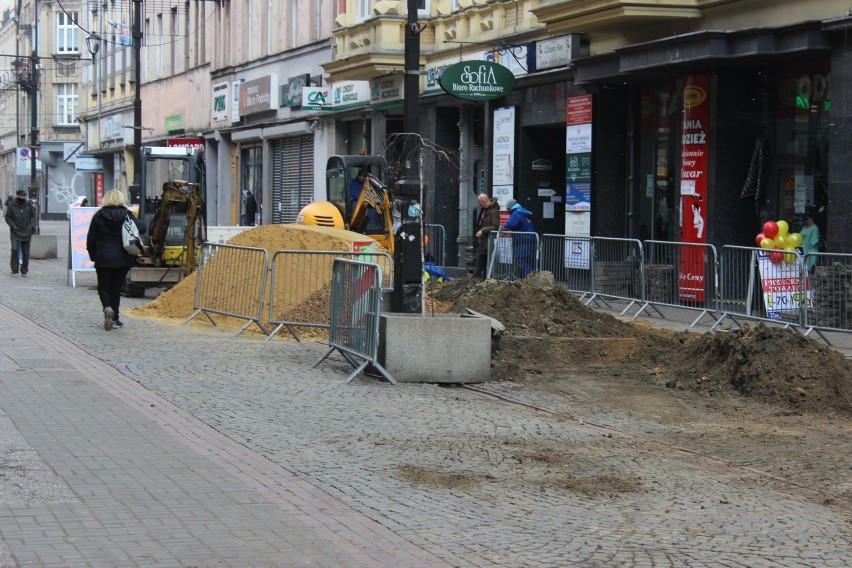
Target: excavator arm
<point x="380" y="227"/>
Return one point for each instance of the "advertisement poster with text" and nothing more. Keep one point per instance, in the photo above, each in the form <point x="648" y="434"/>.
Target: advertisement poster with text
<point x="578" y="156"/>
<point x="693" y="187"/>
<point x="781" y="283"/>
<point x="503" y="155"/>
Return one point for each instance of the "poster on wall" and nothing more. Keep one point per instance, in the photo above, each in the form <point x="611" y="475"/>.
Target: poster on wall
<point x="693" y="187"/>
<point x="503" y="155"/>
<point x="578" y="157"/>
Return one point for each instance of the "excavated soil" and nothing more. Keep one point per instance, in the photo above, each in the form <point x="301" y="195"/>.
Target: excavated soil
<point x="760" y="397"/>
<point x="547" y="331"/>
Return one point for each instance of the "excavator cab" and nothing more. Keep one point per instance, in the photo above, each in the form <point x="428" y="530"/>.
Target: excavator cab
<point x="365" y="207"/>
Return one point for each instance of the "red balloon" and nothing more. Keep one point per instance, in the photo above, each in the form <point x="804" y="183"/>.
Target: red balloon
<point x="770" y="229"/>
<point x="776" y="257"/>
<point x="759" y="237"/>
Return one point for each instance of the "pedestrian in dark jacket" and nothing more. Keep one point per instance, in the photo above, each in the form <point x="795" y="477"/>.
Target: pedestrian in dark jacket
<point x="21" y="217"/>
<point x="106" y="249"/>
<point x="489" y="220"/>
<point x="524" y="244"/>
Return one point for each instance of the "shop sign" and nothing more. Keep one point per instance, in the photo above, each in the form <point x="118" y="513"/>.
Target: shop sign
<point x="542" y="165"/>
<point x="515" y="59"/>
<point x="111" y="128"/>
<point x="578" y="155"/>
<point x="185" y="143"/>
<point x="433" y="72"/>
<point x="291" y="95"/>
<point x="477" y="80"/>
<point x="350" y="94"/>
<point x="579" y="166"/>
<point x="579" y="110"/>
<point x="503" y="149"/>
<point x="387" y="91"/>
<point x="88" y="164"/>
<point x="174" y="123"/>
<point x="220" y="102"/>
<point x="693" y="187"/>
<point x="257" y="95"/>
<point x="316" y="98"/>
<point x="554" y="52"/>
<point x="235" y="100"/>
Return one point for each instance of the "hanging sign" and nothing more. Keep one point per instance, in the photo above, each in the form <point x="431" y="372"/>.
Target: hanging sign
<point x="477" y="80"/>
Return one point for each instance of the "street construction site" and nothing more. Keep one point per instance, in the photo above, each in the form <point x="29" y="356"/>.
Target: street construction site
<point x="600" y="440"/>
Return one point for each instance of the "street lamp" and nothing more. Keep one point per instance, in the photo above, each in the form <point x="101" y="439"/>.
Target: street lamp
<point x="93" y="44"/>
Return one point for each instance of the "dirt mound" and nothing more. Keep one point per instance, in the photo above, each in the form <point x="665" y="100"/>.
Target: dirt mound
<point x="765" y="363"/>
<point x="176" y="302"/>
<point x="533" y="306"/>
<point x="549" y="333"/>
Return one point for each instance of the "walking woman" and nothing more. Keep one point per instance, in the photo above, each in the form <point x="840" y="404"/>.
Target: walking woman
<point x="112" y="262"/>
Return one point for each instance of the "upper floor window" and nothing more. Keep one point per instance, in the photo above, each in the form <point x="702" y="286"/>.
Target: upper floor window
<point x="423" y="7"/>
<point x="66" y="104"/>
<point x="364" y="9"/>
<point x="67" y="33"/>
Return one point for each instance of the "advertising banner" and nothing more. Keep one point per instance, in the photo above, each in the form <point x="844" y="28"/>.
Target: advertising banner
<point x="503" y="155"/>
<point x="693" y="186"/>
<point x="578" y="156"/>
<point x="80" y="218"/>
<point x="779" y="281"/>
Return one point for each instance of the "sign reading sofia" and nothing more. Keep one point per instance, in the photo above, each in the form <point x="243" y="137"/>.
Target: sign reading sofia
<point x="477" y="80"/>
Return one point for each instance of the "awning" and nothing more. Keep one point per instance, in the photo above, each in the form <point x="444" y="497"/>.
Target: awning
<point x="707" y="47"/>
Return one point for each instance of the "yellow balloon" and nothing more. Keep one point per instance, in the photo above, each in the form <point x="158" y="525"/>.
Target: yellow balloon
<point x="766" y="243"/>
<point x="790" y="257"/>
<point x="780" y="241"/>
<point x="783" y="227"/>
<point x="795" y="239"/>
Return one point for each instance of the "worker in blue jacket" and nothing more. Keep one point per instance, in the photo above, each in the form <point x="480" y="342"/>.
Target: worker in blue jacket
<point x="520" y="221"/>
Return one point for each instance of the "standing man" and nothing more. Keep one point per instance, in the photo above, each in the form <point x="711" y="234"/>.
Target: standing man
<point x="21" y="217"/>
<point x="520" y="221"/>
<point x="489" y="220"/>
<point x="250" y="209"/>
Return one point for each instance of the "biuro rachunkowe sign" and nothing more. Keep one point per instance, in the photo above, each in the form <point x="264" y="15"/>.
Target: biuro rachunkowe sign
<point x="477" y="80"/>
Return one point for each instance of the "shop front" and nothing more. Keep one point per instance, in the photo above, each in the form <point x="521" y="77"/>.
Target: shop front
<point x="720" y="140"/>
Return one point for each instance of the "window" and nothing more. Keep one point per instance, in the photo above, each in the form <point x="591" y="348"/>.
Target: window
<point x="422" y="7"/>
<point x="67" y="36"/>
<point x="66" y="104"/>
<point x="364" y="10"/>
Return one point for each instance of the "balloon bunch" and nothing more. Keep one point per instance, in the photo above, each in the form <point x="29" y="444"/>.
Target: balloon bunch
<point x="783" y="244"/>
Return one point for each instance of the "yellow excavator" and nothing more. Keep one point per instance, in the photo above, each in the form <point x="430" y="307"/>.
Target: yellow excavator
<point x="371" y="213"/>
<point x="170" y="202"/>
<point x="178" y="210"/>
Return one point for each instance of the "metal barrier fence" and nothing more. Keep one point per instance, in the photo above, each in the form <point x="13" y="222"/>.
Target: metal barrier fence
<point x="356" y="298"/>
<point x="437" y="244"/>
<point x="512" y="255"/>
<point x="679" y="274"/>
<point x="616" y="271"/>
<point x="300" y="286"/>
<point x="830" y="308"/>
<point x="569" y="260"/>
<point x="231" y="281"/>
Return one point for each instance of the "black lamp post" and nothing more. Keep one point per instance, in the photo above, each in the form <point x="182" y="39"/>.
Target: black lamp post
<point x="409" y="236"/>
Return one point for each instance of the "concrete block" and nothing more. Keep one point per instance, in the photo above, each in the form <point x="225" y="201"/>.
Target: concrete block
<point x="43" y="246"/>
<point x="444" y="348"/>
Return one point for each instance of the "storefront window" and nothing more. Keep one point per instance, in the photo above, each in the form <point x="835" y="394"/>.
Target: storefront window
<point x="801" y="143"/>
<point x="658" y="160"/>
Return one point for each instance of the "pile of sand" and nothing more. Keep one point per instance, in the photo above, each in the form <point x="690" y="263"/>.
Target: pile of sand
<point x="176" y="303"/>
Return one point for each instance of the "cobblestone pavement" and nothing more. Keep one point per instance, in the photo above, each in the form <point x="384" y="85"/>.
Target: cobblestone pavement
<point x="168" y="445"/>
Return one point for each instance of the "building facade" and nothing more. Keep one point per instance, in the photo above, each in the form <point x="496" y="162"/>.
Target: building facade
<point x="716" y="113"/>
